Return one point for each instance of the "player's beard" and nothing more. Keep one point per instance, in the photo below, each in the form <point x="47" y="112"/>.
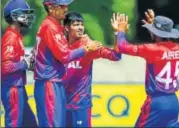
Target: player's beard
<point x="24" y="31"/>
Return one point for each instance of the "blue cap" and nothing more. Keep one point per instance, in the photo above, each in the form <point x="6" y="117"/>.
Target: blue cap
<point x="13" y="5"/>
<point x="163" y="27"/>
<point x="57" y="2"/>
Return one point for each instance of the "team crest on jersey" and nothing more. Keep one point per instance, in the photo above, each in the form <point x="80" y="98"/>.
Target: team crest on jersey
<point x="10" y="49"/>
<point x="75" y="65"/>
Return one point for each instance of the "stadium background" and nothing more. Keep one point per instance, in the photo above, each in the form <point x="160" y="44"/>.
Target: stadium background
<point x="118" y="87"/>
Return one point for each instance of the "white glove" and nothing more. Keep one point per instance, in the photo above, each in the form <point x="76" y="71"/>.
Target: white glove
<point x="178" y="80"/>
<point x="29" y="59"/>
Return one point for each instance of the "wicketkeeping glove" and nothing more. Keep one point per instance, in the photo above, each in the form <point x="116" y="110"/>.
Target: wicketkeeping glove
<point x="29" y="59"/>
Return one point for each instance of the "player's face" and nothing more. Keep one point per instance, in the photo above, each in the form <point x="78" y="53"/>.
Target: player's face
<point x="76" y="30"/>
<point x="59" y="11"/>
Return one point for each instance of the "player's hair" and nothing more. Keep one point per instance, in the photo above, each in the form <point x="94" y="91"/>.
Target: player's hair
<point x="153" y="39"/>
<point x="167" y="39"/>
<point x="175" y="40"/>
<point x="71" y="17"/>
<point x="46" y="8"/>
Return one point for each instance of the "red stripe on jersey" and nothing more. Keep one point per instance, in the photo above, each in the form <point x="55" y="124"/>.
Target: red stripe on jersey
<point x="89" y="117"/>
<point x="50" y="102"/>
<point x="14" y="101"/>
<point x="145" y="112"/>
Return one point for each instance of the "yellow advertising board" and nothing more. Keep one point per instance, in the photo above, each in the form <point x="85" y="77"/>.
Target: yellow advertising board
<point x="116" y="105"/>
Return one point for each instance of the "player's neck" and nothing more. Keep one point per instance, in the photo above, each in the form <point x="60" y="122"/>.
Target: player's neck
<point x="55" y="18"/>
<point x="15" y="26"/>
<point x="71" y="40"/>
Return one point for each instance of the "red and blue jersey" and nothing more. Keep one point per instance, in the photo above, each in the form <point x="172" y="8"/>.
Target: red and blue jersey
<point x="52" y="51"/>
<point x="162" y="63"/>
<point x="12" y="52"/>
<point x="78" y="79"/>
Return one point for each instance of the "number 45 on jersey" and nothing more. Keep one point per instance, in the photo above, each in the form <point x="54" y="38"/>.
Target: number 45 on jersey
<point x="169" y="75"/>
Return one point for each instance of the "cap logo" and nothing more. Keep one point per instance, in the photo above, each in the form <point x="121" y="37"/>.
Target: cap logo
<point x="158" y="25"/>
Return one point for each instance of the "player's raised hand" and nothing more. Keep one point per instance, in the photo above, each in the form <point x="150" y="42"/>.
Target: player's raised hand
<point x="114" y="21"/>
<point x="123" y="25"/>
<point x="149" y="17"/>
<point x="93" y="46"/>
<point x="119" y="22"/>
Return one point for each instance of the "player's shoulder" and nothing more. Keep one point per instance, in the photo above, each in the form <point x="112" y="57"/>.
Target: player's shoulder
<point x="47" y="25"/>
<point x="151" y="46"/>
<point x="169" y="46"/>
<point x="9" y="35"/>
<point x="173" y="44"/>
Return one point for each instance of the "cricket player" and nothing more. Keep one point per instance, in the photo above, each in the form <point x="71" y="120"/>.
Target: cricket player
<point x="17" y="14"/>
<point x="161" y="108"/>
<point x="79" y="72"/>
<point x="52" y="52"/>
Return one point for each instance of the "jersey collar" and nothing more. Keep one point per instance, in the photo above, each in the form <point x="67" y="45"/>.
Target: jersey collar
<point x="56" y="22"/>
<point x="14" y="31"/>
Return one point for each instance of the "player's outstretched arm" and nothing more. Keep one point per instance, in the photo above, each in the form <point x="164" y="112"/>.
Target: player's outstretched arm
<point x="106" y="53"/>
<point x="120" y="26"/>
<point x="60" y="48"/>
<point x="100" y="51"/>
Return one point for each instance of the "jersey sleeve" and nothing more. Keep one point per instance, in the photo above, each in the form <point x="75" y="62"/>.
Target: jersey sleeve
<point x="103" y="52"/>
<point x="106" y="53"/>
<point x="9" y="65"/>
<point x="59" y="47"/>
<point x="125" y="47"/>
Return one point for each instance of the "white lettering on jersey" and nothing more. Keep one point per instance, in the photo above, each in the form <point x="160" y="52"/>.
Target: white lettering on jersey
<point x="10" y="49"/>
<point x="79" y="122"/>
<point x="58" y="37"/>
<point x="165" y="75"/>
<point x="170" y="55"/>
<point x="59" y="40"/>
<point x="177" y="69"/>
<point x="75" y="64"/>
